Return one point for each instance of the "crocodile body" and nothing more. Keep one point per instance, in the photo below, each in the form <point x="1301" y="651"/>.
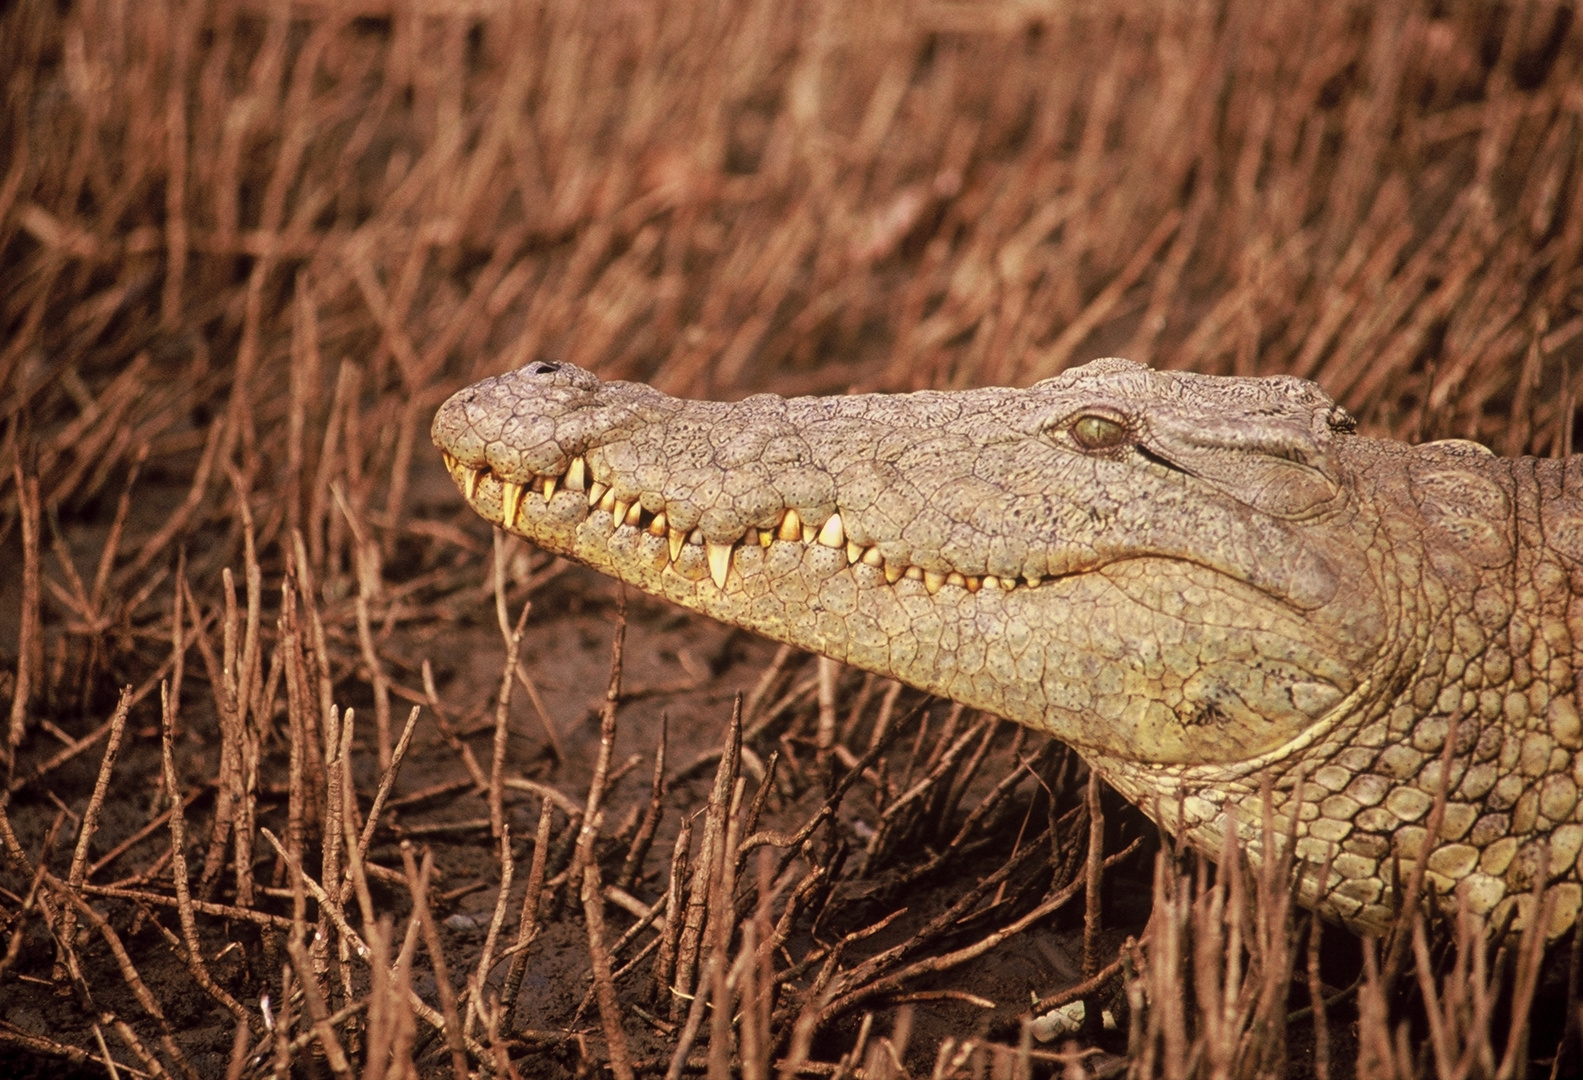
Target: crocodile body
<point x="1205" y="585"/>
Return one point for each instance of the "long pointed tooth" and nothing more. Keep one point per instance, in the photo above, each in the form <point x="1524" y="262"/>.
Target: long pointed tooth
<point x="470" y="482"/>
<point x="549" y="487"/>
<point x="809" y="533"/>
<point x="510" y="502"/>
<point x="933" y="580"/>
<point x="790" y="526"/>
<point x="872" y="557"/>
<point x="576" y="474"/>
<point x="833" y="532"/>
<point x="854" y="551"/>
<point x="719" y="562"/>
<point x="607" y="501"/>
<point x="677" y="538"/>
<point x="618" y="511"/>
<point x="894" y="571"/>
<point x="635" y="514"/>
<point x="450" y="460"/>
<point x="766" y="537"/>
<point x="657" y="526"/>
<point x="596" y="493"/>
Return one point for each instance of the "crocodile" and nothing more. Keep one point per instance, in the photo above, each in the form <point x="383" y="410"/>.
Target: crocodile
<point x="1223" y="597"/>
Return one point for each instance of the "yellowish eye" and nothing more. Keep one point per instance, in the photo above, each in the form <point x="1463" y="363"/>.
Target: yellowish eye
<point x="1098" y="433"/>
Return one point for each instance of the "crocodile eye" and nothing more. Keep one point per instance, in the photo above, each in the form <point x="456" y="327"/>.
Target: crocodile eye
<point x="1098" y="433"/>
<point x="542" y="367"/>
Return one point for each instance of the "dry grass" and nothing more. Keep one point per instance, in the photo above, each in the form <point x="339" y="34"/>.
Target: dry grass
<point x="246" y="247"/>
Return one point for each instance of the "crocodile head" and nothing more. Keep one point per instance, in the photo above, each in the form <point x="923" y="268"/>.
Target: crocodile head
<point x="1158" y="568"/>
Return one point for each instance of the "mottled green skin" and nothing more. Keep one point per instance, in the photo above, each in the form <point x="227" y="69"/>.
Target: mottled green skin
<point x="1239" y="588"/>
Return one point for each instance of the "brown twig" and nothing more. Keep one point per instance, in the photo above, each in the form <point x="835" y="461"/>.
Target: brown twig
<point x="418" y="884"/>
<point x="528" y="918"/>
<point x="90" y="815"/>
<point x="593" y="902"/>
<point x="30" y="644"/>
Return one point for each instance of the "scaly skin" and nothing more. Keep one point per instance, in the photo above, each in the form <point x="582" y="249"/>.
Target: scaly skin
<point x="1202" y="584"/>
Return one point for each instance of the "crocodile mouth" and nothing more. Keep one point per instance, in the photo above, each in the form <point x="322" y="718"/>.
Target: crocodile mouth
<point x="793" y="525"/>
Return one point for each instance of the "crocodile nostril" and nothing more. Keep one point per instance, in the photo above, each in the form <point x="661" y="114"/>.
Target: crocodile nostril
<point x="542" y="367"/>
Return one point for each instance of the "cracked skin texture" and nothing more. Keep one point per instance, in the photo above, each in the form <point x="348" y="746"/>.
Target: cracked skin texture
<point x="1203" y="584"/>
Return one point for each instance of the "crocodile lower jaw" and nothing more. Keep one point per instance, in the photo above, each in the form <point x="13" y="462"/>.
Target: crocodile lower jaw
<point x="792" y="526"/>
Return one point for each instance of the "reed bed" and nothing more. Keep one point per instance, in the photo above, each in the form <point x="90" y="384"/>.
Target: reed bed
<point x="292" y="786"/>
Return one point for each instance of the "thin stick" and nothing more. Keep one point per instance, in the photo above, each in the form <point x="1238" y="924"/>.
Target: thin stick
<point x="607" y="744"/>
<point x="366" y="553"/>
<point x="670" y="936"/>
<point x="632" y="867"/>
<point x="222" y="911"/>
<point x="1093" y="877"/>
<point x="513" y="639"/>
<point x="508" y="865"/>
<point x="690" y="942"/>
<point x="29" y="641"/>
<point x="386" y="782"/>
<point x="418" y="885"/>
<point x="33" y="898"/>
<point x="178" y="847"/>
<point x="451" y="738"/>
<point x="528" y="919"/>
<point x="604" y="986"/>
<point x="334" y="1052"/>
<point x="90" y="816"/>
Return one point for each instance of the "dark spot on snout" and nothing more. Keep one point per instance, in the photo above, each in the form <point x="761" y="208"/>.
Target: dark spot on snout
<point x="1207" y="715"/>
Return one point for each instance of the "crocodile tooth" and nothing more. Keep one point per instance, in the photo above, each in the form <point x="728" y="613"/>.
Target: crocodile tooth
<point x="576" y="474"/>
<point x="470" y="483"/>
<point x="809" y="533"/>
<point x="854" y="551"/>
<point x="677" y="538"/>
<point x="549" y="486"/>
<point x="956" y="578"/>
<point x="766" y="537"/>
<point x="657" y="526"/>
<point x="510" y="502"/>
<point x="596" y="493"/>
<point x="719" y="562"/>
<point x="974" y="584"/>
<point x="991" y="581"/>
<point x="893" y="572"/>
<point x="1007" y="584"/>
<point x="635" y="514"/>
<point x="833" y="533"/>
<point x="450" y="460"/>
<point x="915" y="573"/>
<point x="696" y="536"/>
<point x="872" y="557"/>
<point x="1033" y="581"/>
<point x="933" y="580"/>
<point x="790" y="526"/>
<point x="618" y="510"/>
